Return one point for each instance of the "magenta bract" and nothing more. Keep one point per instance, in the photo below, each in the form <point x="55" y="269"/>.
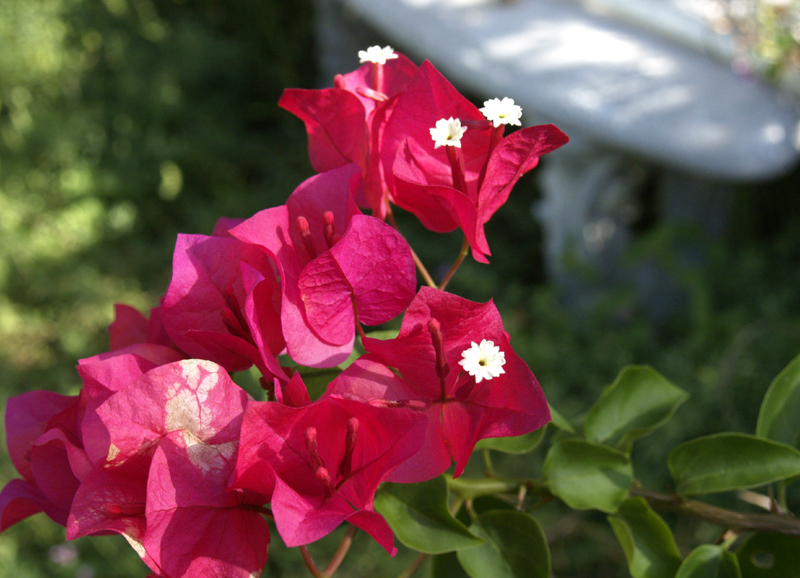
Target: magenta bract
<point x="321" y="463"/>
<point x="206" y="311"/>
<point x="332" y="271"/>
<point x="508" y="405"/>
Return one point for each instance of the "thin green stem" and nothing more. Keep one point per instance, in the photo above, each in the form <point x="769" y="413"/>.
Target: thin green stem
<point x="488" y="468"/>
<point x="417" y="261"/>
<point x="460" y="259"/>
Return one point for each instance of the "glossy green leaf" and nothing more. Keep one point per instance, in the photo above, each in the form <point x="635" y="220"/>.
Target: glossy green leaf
<point x="514" y="445"/>
<point x="770" y="556"/>
<point x="639" y="401"/>
<point x="646" y="540"/>
<point x="586" y="475"/>
<point x="447" y="566"/>
<point x="515" y="547"/>
<point x="417" y="513"/>
<point x="560" y="421"/>
<point x="730" y="461"/>
<point x="779" y="418"/>
<point x="708" y="561"/>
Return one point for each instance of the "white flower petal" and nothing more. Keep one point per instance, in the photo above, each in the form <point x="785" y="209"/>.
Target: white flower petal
<point x="447" y="132"/>
<point x="484" y="361"/>
<point x="502" y="111"/>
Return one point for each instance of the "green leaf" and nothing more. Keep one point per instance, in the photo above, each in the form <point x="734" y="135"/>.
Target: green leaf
<point x="515" y="547"/>
<point x="587" y="475"/>
<point x="447" y="566"/>
<point x="769" y="556"/>
<point x="730" y="461"/>
<point x="560" y="421"/>
<point x="779" y="417"/>
<point x="639" y="401"/>
<point x="417" y="513"/>
<point x="514" y="445"/>
<point x="709" y="561"/>
<point x="646" y="540"/>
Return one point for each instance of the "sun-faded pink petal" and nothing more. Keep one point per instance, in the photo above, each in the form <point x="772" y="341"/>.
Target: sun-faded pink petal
<point x="106" y="487"/>
<point x="107" y="373"/>
<point x="193" y="395"/>
<point x="194" y="526"/>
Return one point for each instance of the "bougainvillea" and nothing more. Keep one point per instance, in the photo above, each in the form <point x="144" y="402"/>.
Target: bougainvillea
<point x="161" y="445"/>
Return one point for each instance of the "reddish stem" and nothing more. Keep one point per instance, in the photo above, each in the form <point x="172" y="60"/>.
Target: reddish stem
<point x="420" y="267"/>
<point x="460" y="259"/>
<point x="341" y="552"/>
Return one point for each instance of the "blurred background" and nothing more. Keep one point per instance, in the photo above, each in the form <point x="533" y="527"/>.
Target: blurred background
<point x="124" y="122"/>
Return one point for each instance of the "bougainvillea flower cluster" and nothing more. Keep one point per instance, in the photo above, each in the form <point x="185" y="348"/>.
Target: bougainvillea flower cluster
<point x="163" y="447"/>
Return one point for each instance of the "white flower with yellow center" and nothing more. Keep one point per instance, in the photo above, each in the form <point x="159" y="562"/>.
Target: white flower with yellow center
<point x="484" y="361"/>
<point x="502" y="111"/>
<point x="376" y="54"/>
<point x="448" y="131"/>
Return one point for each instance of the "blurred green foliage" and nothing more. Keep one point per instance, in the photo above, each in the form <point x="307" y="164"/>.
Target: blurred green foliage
<point x="124" y="122"/>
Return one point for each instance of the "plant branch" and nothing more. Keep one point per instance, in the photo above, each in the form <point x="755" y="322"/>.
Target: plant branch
<point x="774" y="523"/>
<point x="417" y="261"/>
<point x="460" y="259"/>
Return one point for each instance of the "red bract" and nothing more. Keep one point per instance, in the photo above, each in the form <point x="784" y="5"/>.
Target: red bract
<point x="195" y="527"/>
<point x="448" y="187"/>
<point x="193" y="395"/>
<point x="335" y="265"/>
<point x="436" y="332"/>
<point x="222" y="304"/>
<point x="344" y="123"/>
<point x="106" y="374"/>
<point x="130" y="327"/>
<point x="322" y="463"/>
<point x="192" y="398"/>
<point x="44" y="443"/>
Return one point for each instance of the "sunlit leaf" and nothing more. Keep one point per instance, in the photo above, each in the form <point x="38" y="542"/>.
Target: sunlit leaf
<point x="730" y="461"/>
<point x="779" y="416"/>
<point x="515" y="547"/>
<point x="709" y="561"/>
<point x="646" y="540"/>
<point x="639" y="401"/>
<point x="769" y="556"/>
<point x="587" y="475"/>
<point x="514" y="445"/>
<point x="417" y="513"/>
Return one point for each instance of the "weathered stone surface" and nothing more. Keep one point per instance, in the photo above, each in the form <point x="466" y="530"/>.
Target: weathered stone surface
<point x="601" y="78"/>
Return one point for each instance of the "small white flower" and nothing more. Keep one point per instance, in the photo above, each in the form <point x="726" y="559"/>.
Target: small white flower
<point x="376" y="54"/>
<point x="483" y="361"/>
<point x="502" y="111"/>
<point x="448" y="131"/>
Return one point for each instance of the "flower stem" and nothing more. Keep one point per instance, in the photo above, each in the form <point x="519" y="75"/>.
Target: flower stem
<point x="341" y="552"/>
<point x="460" y="259"/>
<point x="414" y="566"/>
<point x="310" y="562"/>
<point x="420" y="267"/>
